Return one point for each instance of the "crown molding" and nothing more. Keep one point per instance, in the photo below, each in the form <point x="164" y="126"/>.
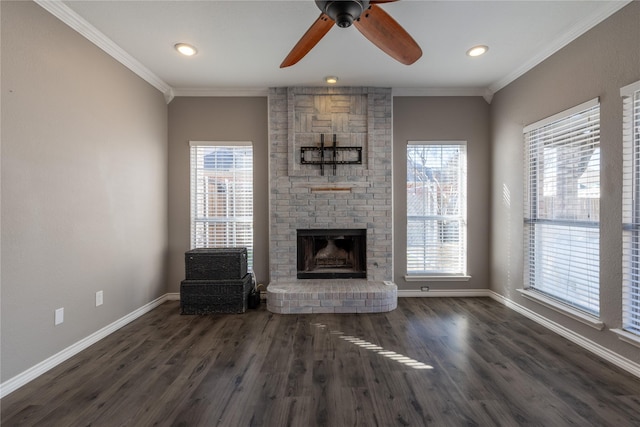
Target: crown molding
<point x="222" y="91"/>
<point x="563" y="40"/>
<point x="61" y="11"/>
<point x="58" y="9"/>
<point x="486" y="93"/>
<point x="259" y="91"/>
<point x="436" y="91"/>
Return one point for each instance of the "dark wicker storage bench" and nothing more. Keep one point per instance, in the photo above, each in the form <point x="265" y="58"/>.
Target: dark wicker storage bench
<point x="216" y="263"/>
<point x="215" y="296"/>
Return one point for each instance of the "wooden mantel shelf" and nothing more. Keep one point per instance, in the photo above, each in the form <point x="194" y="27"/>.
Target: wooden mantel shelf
<point x="331" y="189"/>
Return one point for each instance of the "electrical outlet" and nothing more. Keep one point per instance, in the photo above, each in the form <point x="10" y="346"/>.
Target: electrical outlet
<point x="424" y="288"/>
<point x="99" y="299"/>
<point x="59" y="316"/>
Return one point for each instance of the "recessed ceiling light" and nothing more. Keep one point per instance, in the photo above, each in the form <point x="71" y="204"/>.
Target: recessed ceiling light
<point x="331" y="80"/>
<point x="477" y="50"/>
<point x="186" y="49"/>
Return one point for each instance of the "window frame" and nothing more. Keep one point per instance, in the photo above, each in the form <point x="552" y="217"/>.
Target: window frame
<point x="443" y="273"/>
<point x="631" y="211"/>
<point x="244" y="237"/>
<point x="538" y="260"/>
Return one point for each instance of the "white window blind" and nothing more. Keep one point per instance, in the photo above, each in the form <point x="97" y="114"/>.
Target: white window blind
<point x="562" y="207"/>
<point x="436" y="208"/>
<point x="222" y="195"/>
<point x="631" y="209"/>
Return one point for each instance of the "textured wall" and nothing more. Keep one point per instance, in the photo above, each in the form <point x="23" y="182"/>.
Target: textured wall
<point x="215" y="119"/>
<point x="84" y="187"/>
<point x="451" y="118"/>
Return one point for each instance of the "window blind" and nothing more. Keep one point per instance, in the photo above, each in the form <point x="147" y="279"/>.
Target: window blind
<point x="436" y="208"/>
<point x="222" y="195"/>
<point x="562" y="207"/>
<point x="631" y="209"/>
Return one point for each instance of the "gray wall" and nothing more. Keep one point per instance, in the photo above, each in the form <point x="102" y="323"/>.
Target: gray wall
<point x="598" y="63"/>
<point x="216" y="119"/>
<point x="444" y="119"/>
<point x="84" y="187"/>
<point x="415" y="118"/>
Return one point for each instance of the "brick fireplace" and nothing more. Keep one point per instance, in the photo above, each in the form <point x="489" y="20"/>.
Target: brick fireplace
<point x="308" y="196"/>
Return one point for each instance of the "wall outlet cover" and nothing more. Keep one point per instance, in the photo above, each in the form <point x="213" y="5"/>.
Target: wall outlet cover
<point x="59" y="316"/>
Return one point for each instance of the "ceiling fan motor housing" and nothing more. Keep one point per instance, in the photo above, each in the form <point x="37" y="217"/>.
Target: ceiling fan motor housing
<point x="343" y="12"/>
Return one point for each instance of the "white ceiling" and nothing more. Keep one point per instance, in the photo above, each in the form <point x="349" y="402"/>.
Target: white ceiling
<point x="242" y="43"/>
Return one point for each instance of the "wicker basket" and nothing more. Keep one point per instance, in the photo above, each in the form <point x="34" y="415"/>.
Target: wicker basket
<point x="214" y="296"/>
<point x="216" y="263"/>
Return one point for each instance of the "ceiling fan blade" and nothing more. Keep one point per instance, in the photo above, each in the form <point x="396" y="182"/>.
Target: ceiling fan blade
<point x="383" y="31"/>
<point x="314" y="34"/>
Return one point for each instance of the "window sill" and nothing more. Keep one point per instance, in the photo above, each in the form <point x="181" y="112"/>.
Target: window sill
<point x="437" y="278"/>
<point x="578" y="315"/>
<point x="627" y="337"/>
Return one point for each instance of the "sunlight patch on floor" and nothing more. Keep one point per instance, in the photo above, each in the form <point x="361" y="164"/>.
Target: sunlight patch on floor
<point x="392" y="355"/>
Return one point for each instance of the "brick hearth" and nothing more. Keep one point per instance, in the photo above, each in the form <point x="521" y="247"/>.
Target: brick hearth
<point x="331" y="296"/>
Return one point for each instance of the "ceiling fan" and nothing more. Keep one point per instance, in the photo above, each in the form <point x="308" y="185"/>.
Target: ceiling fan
<point x="373" y="22"/>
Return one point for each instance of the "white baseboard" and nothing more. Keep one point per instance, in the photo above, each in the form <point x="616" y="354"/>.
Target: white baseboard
<point x="460" y="293"/>
<point x="595" y="348"/>
<point x="173" y="296"/>
<point x="32" y="373"/>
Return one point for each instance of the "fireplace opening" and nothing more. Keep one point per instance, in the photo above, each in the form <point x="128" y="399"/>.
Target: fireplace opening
<point x="332" y="253"/>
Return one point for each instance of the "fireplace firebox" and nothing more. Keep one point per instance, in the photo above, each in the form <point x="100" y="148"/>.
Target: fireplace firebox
<point x="332" y="253"/>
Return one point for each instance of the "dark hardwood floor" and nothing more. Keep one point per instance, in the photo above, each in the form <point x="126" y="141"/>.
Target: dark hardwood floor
<point x="430" y="362"/>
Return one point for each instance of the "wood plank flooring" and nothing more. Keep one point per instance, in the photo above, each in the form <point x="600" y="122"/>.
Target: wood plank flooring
<point x="430" y="362"/>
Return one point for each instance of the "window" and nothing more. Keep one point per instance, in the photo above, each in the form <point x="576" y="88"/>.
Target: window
<point x="436" y="208"/>
<point x="631" y="209"/>
<point x="562" y="207"/>
<point x="222" y="195"/>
